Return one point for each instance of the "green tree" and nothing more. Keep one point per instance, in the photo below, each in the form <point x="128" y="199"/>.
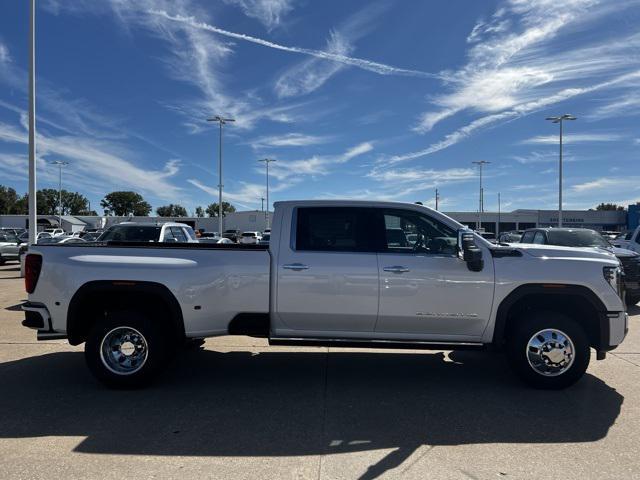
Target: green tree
<point x="171" y="210"/>
<point x="609" y="206"/>
<point x="213" y="210"/>
<point x="47" y="201"/>
<point x="74" y="203"/>
<point x="8" y="200"/>
<point x="122" y="204"/>
<point x="199" y="211"/>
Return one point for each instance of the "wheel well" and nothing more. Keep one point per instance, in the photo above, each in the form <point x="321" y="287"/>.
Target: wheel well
<point x="574" y="302"/>
<point x="96" y="299"/>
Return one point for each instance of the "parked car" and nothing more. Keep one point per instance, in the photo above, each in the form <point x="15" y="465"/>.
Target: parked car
<point x="15" y="231"/>
<point x="489" y="236"/>
<point x="167" y="232"/>
<point x="91" y="236"/>
<point x="24" y="237"/>
<point x="55" y="232"/>
<point x="586" y="238"/>
<point x="9" y="247"/>
<point x="609" y="234"/>
<point x="513" y="236"/>
<point x="61" y="239"/>
<point x="329" y="277"/>
<point x="220" y="240"/>
<point x="250" y="238"/>
<point x="630" y="240"/>
<point x="266" y="237"/>
<point x="233" y="235"/>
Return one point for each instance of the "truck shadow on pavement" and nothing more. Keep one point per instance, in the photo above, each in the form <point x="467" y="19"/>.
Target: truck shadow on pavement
<point x="279" y="403"/>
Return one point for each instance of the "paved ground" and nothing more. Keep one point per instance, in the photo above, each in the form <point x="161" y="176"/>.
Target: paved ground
<point x="239" y="409"/>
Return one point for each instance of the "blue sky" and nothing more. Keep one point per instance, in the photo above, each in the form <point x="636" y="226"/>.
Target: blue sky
<point x="357" y="99"/>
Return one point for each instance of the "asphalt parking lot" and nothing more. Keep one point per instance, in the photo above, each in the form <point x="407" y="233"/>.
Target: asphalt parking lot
<point x="240" y="409"/>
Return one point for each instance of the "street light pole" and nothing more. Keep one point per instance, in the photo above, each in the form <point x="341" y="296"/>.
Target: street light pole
<point x="221" y="121"/>
<point x="480" y="164"/>
<point x="267" y="161"/>
<point x="60" y="164"/>
<point x="33" y="208"/>
<point x="559" y="120"/>
<point x="262" y="204"/>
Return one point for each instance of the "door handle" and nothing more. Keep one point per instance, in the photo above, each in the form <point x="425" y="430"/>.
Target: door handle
<point x="396" y="269"/>
<point x="295" y="266"/>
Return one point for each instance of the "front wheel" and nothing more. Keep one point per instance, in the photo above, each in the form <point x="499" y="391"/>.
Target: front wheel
<point x="126" y="349"/>
<point x="548" y="350"/>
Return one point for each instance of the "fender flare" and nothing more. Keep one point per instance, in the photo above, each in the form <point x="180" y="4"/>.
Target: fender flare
<point x="111" y="288"/>
<point x="556" y="290"/>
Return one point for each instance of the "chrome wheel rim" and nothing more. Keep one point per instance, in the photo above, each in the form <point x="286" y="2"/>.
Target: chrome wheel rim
<point x="550" y="352"/>
<point x="124" y="350"/>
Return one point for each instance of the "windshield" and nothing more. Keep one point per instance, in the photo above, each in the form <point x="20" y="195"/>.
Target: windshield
<point x="132" y="233"/>
<point x="576" y="238"/>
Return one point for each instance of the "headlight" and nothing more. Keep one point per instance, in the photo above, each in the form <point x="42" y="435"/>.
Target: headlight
<point x="612" y="275"/>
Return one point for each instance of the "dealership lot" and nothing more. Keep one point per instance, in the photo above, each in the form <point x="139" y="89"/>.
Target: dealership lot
<point x="241" y="409"/>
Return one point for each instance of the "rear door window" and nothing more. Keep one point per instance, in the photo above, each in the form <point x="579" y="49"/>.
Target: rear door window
<point x="334" y="229"/>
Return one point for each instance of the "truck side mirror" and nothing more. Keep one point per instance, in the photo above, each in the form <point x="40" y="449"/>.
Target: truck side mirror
<point x="470" y="251"/>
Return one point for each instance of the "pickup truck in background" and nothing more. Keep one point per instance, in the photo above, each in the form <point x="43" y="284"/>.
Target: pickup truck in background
<point x="630" y="241"/>
<point x="334" y="273"/>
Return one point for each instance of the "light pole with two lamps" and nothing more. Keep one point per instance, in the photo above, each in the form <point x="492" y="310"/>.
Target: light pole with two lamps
<point x="559" y="120"/>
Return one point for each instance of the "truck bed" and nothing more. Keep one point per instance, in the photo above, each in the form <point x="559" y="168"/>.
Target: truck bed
<point x="212" y="283"/>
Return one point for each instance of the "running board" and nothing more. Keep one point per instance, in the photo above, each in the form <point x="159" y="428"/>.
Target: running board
<point x="367" y="343"/>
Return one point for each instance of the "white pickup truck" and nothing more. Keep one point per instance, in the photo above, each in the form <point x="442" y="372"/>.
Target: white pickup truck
<point x="338" y="273"/>
<point x="630" y="241"/>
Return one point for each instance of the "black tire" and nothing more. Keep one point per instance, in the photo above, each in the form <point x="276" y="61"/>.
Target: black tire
<point x="631" y="300"/>
<point x="519" y="351"/>
<point x="154" y="342"/>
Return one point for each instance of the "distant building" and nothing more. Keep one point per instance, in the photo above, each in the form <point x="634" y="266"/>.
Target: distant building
<point x="255" y="220"/>
<point x="613" y="220"/>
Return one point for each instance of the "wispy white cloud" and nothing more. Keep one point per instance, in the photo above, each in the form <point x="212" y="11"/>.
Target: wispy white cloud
<point x="288" y="140"/>
<point x="628" y="104"/>
<point x="310" y="74"/>
<point x="574" y="138"/>
<point x="4" y="53"/>
<point x="512" y="69"/>
<point x="95" y="159"/>
<point x="508" y="115"/>
<point x="376" y="67"/>
<point x="268" y="12"/>
<point x="604" y="183"/>
<point x="317" y="165"/>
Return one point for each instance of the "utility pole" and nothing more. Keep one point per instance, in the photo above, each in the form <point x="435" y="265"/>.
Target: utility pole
<point x="262" y="204"/>
<point x="33" y="207"/>
<point x="437" y="198"/>
<point x="559" y="120"/>
<point x="480" y="164"/>
<point x="267" y="161"/>
<point x="221" y="121"/>
<point x="498" y="229"/>
<point x="60" y="164"/>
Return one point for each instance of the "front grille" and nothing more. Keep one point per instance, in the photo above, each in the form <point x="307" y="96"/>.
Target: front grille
<point x="631" y="269"/>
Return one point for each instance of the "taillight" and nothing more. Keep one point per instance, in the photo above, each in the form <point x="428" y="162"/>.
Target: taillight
<point x="32" y="267"/>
